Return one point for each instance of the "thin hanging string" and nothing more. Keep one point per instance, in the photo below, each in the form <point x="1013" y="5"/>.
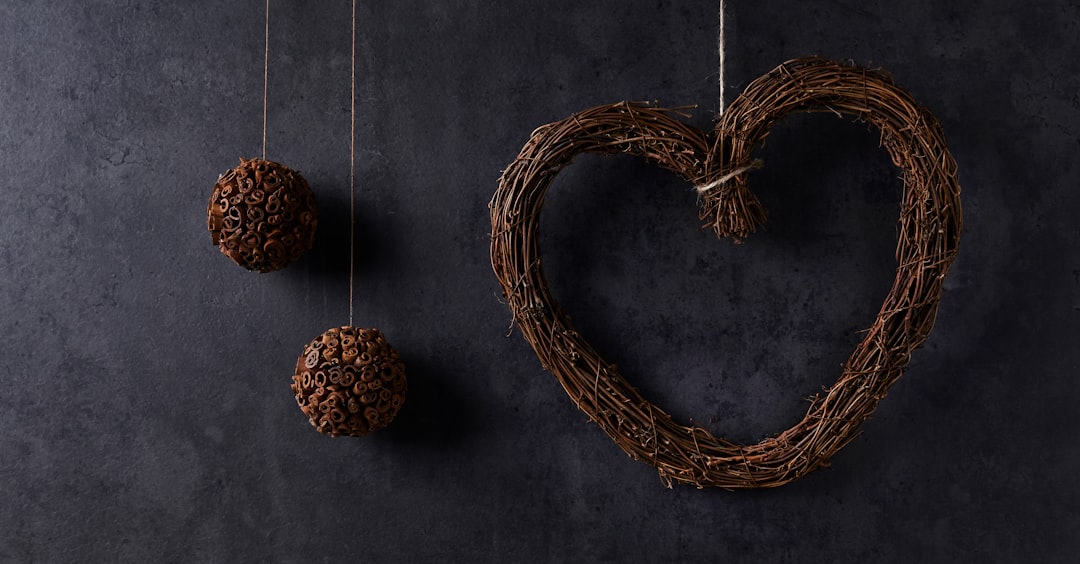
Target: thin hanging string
<point x="756" y="163"/>
<point x="266" y="72"/>
<point x="720" y="50"/>
<point x="352" y="167"/>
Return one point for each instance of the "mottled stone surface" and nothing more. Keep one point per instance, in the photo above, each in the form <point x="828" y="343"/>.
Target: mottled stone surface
<point x="146" y="413"/>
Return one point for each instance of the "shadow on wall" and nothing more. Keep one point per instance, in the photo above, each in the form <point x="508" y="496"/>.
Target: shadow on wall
<point x="329" y="257"/>
<point x="435" y="414"/>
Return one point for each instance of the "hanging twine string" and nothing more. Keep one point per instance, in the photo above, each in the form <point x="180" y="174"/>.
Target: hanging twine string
<point x="720" y="50"/>
<point x="756" y="163"/>
<point x="266" y="73"/>
<point x="352" y="167"/>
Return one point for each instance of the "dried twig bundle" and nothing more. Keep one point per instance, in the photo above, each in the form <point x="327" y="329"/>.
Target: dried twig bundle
<point x="262" y="215"/>
<point x="349" y="381"/>
<point x="930" y="225"/>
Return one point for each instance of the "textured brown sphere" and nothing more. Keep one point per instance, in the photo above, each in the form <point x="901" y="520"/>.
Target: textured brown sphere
<point x="349" y="381"/>
<point x="262" y="215"/>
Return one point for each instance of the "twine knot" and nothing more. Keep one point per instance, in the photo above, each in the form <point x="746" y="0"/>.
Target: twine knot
<point x="732" y="211"/>
<point x="754" y="165"/>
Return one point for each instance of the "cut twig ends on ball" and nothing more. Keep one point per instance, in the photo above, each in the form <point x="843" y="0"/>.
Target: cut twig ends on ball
<point x="262" y="215"/>
<point x="930" y="225"/>
<point x="349" y="381"/>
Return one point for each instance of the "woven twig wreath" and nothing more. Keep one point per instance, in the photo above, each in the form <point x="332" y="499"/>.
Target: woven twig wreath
<point x="929" y="232"/>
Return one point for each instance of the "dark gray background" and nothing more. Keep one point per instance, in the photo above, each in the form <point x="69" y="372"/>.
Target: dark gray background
<point x="145" y="413"/>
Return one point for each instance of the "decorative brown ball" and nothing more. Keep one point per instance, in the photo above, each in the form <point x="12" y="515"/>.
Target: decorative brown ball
<point x="262" y="215"/>
<point x="349" y="381"/>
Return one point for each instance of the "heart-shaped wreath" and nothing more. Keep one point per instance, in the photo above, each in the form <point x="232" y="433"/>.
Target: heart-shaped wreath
<point x="929" y="233"/>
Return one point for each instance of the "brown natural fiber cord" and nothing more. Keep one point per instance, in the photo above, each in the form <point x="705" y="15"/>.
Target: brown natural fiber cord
<point x="266" y="71"/>
<point x="929" y="232"/>
<point x="352" y="165"/>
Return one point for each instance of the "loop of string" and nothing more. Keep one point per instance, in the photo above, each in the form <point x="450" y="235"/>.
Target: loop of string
<point x="754" y="165"/>
<point x="352" y="166"/>
<point x="266" y="73"/>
